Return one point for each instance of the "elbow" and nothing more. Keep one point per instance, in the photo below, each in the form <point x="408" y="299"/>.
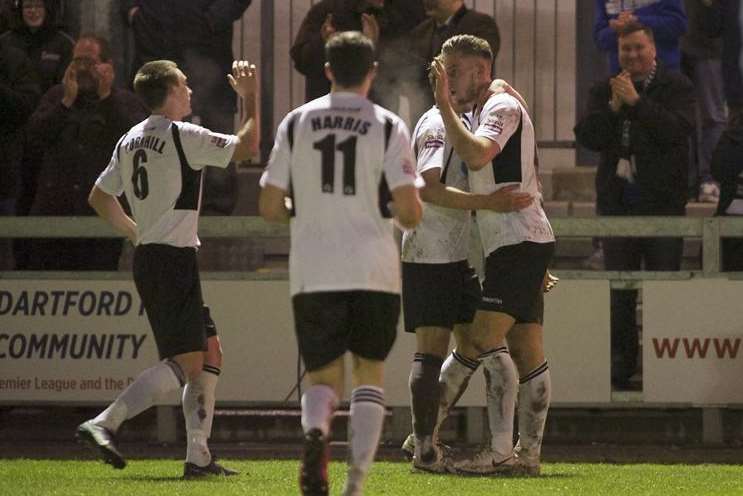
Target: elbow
<point x="475" y="165"/>
<point x="410" y="218"/>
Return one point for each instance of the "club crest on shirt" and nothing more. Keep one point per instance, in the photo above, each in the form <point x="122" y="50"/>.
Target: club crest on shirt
<point x="219" y="142"/>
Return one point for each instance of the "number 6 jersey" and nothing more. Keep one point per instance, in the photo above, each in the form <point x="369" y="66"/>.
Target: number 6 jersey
<point x="158" y="165"/>
<point x="338" y="157"/>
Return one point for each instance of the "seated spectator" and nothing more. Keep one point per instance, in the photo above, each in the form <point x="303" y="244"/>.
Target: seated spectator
<point x="446" y="18"/>
<point x="19" y="91"/>
<point x="727" y="169"/>
<point x="640" y="121"/>
<point x="665" y="17"/>
<point x="385" y="22"/>
<point x="77" y="125"/>
<point x="196" y="35"/>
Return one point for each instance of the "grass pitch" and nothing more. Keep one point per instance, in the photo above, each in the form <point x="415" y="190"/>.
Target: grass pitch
<point x="162" y="477"/>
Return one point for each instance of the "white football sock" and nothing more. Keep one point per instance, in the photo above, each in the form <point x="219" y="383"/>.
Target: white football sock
<point x="318" y="405"/>
<point x="502" y="386"/>
<point x="534" y="400"/>
<point x="198" y="411"/>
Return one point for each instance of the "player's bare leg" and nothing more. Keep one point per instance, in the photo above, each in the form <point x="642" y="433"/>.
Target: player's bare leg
<point x="527" y="349"/>
<point x="489" y="331"/>
<point x="367" y="417"/>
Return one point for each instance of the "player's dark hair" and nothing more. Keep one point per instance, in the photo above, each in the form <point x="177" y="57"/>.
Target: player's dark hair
<point x="633" y="27"/>
<point x="467" y="44"/>
<point x="351" y="57"/>
<point x="154" y="80"/>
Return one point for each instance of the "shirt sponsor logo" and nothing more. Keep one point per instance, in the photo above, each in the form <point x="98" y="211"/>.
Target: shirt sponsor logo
<point x="433" y="141"/>
<point x="488" y="299"/>
<point x="218" y="141"/>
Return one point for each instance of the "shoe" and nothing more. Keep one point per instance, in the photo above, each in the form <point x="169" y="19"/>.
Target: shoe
<point x="486" y="462"/>
<point x="709" y="192"/>
<point x="101" y="440"/>
<point x="408" y="447"/>
<point x="313" y="475"/>
<point x="433" y="462"/>
<point x="526" y="464"/>
<point x="193" y="471"/>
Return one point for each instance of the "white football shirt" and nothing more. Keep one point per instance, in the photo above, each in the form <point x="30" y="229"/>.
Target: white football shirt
<point x="158" y="165"/>
<point x="443" y="233"/>
<point x="338" y="157"/>
<point x="502" y="119"/>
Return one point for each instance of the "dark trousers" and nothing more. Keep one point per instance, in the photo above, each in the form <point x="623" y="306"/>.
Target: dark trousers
<point x="632" y="254"/>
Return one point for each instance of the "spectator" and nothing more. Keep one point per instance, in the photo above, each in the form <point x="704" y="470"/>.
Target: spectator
<point x="50" y="52"/>
<point x="446" y="18"/>
<point x="197" y="35"/>
<point x="35" y="32"/>
<point x="727" y="169"/>
<point x="77" y="124"/>
<point x="665" y="17"/>
<point x="724" y="21"/>
<point x="640" y="122"/>
<point x="6" y="15"/>
<point x="19" y="91"/>
<point x="701" y="57"/>
<point x="385" y="22"/>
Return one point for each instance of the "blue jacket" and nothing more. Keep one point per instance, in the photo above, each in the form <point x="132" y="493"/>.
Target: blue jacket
<point x="666" y="18"/>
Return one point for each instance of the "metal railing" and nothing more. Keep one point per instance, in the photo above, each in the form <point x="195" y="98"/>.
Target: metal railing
<point x="711" y="230"/>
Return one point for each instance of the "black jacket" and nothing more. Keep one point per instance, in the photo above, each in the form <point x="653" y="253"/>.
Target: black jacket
<point x="661" y="123"/>
<point x="308" y="51"/>
<point x="19" y="92"/>
<point x="727" y="167"/>
<point x="77" y="144"/>
<point x="423" y="49"/>
<point x="163" y="29"/>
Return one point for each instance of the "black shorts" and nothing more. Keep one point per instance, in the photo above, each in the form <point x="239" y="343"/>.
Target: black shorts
<point x="167" y="280"/>
<point x="330" y="323"/>
<point x="439" y="295"/>
<point x="514" y="276"/>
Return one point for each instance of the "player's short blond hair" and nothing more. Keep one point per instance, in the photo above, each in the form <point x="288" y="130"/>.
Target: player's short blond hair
<point x="467" y="44"/>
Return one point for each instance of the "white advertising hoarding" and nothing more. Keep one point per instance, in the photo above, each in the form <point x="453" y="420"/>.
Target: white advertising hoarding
<point x="692" y="333"/>
<point x="84" y="341"/>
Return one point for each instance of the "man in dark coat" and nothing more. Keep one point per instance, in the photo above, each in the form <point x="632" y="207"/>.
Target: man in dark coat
<point x="446" y="18"/>
<point x="77" y="125"/>
<point x="385" y="22"/>
<point x="640" y="120"/>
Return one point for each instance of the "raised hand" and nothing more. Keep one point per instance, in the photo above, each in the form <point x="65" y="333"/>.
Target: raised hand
<point x="327" y="29"/>
<point x="244" y="80"/>
<point x="370" y="27"/>
<point x="71" y="88"/>
<point x="441" y="91"/>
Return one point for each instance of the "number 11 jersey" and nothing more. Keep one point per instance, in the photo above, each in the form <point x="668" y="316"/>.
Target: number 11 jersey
<point x="158" y="165"/>
<point x="338" y="157"/>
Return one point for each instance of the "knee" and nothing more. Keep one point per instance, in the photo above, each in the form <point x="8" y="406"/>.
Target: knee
<point x="213" y="355"/>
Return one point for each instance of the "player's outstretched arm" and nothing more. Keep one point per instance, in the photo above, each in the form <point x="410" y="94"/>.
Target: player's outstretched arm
<point x="109" y="209"/>
<point x="244" y="81"/>
<point x="406" y="206"/>
<point x="272" y="204"/>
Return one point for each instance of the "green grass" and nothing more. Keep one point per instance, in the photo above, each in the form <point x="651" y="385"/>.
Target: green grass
<point x="161" y="477"/>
